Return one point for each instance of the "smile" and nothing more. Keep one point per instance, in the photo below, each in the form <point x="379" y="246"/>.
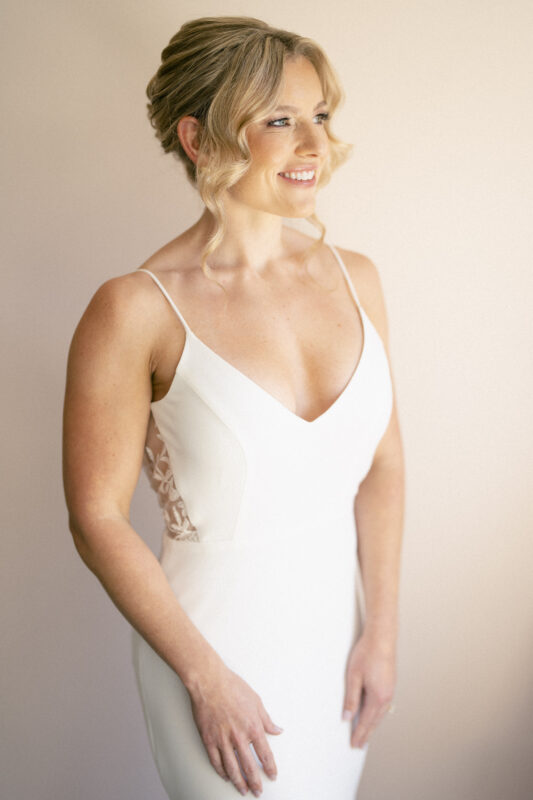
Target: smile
<point x="303" y="178"/>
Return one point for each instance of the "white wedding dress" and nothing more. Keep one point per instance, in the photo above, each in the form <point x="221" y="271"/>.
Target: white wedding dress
<point x="260" y="548"/>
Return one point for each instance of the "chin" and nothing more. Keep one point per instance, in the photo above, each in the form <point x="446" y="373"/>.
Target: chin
<point x="300" y="215"/>
<point x="304" y="211"/>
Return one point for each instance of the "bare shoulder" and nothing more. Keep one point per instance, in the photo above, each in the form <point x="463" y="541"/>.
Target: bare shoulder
<point x="367" y="281"/>
<point x="122" y="297"/>
<point x="121" y="312"/>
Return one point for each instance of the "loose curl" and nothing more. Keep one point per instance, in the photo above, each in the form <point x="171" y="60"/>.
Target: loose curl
<point x="227" y="73"/>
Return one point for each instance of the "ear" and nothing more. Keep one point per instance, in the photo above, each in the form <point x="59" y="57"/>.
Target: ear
<point x="188" y="130"/>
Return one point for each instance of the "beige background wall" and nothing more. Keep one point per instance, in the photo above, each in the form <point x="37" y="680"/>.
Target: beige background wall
<point x="438" y="193"/>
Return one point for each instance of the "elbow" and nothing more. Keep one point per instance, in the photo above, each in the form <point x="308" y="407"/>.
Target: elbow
<point x="81" y="542"/>
<point x="95" y="535"/>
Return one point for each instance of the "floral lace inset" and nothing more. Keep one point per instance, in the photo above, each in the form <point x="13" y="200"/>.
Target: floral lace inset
<point x="156" y="461"/>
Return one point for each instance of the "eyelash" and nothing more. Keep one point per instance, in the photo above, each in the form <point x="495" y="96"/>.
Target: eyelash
<point x="325" y="116"/>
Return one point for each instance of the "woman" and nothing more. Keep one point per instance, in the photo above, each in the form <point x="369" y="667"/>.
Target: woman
<point x="241" y="368"/>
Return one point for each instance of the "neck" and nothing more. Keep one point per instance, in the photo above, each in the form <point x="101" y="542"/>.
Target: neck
<point x="252" y="242"/>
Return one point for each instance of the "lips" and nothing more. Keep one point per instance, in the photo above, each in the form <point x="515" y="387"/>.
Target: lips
<point x="299" y="181"/>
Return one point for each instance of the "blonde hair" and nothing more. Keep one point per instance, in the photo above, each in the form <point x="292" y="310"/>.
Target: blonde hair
<point x="227" y="73"/>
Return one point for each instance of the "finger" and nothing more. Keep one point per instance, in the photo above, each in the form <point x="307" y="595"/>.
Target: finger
<point x="249" y="767"/>
<point x="367" y="718"/>
<point x="269" y="726"/>
<point x="361" y="735"/>
<point x="265" y="756"/>
<point x="379" y="705"/>
<point x="216" y="760"/>
<point x="370" y="731"/>
<point x="374" y="724"/>
<point x="232" y="767"/>
<point x="353" y="698"/>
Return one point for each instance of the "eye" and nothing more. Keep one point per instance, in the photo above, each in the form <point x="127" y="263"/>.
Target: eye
<point x="273" y="122"/>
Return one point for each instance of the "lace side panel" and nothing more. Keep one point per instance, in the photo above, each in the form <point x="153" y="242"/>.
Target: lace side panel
<point x="156" y="462"/>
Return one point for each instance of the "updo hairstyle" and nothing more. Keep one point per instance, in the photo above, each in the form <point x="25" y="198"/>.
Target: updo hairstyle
<point x="227" y="72"/>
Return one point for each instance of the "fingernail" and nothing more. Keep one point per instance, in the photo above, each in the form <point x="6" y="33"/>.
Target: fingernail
<point x="279" y="730"/>
<point x="346" y="714"/>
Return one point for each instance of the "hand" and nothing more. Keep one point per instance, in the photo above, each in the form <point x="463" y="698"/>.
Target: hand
<point x="370" y="681"/>
<point x="230" y="716"/>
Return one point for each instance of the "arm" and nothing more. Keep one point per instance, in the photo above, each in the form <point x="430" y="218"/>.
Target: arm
<point x="379" y="511"/>
<point x="379" y="516"/>
<point x="105" y="419"/>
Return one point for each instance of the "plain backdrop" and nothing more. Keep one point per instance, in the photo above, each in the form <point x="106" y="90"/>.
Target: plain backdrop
<point x="438" y="193"/>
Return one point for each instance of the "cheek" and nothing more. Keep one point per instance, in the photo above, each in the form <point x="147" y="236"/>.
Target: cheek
<point x="268" y="151"/>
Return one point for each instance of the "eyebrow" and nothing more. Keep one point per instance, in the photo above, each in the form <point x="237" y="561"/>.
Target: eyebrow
<point x="292" y="108"/>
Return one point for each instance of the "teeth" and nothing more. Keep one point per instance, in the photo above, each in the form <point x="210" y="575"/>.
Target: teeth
<point x="300" y="176"/>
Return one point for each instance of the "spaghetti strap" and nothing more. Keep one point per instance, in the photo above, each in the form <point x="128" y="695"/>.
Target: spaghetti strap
<point x="170" y="300"/>
<point x="186" y="326"/>
<point x="346" y="274"/>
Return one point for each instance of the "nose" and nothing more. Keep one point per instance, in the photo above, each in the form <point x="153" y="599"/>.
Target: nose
<point x="313" y="140"/>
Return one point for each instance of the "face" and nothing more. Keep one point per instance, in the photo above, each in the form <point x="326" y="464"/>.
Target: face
<point x="291" y="140"/>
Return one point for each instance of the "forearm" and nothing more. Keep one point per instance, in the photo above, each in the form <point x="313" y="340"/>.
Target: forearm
<point x="136" y="583"/>
<point x="379" y="518"/>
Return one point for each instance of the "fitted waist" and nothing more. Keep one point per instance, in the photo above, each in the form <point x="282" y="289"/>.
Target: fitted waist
<point x="312" y="544"/>
<point x="266" y="532"/>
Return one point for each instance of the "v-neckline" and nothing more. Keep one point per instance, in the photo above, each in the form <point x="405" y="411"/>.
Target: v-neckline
<point x="190" y="335"/>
